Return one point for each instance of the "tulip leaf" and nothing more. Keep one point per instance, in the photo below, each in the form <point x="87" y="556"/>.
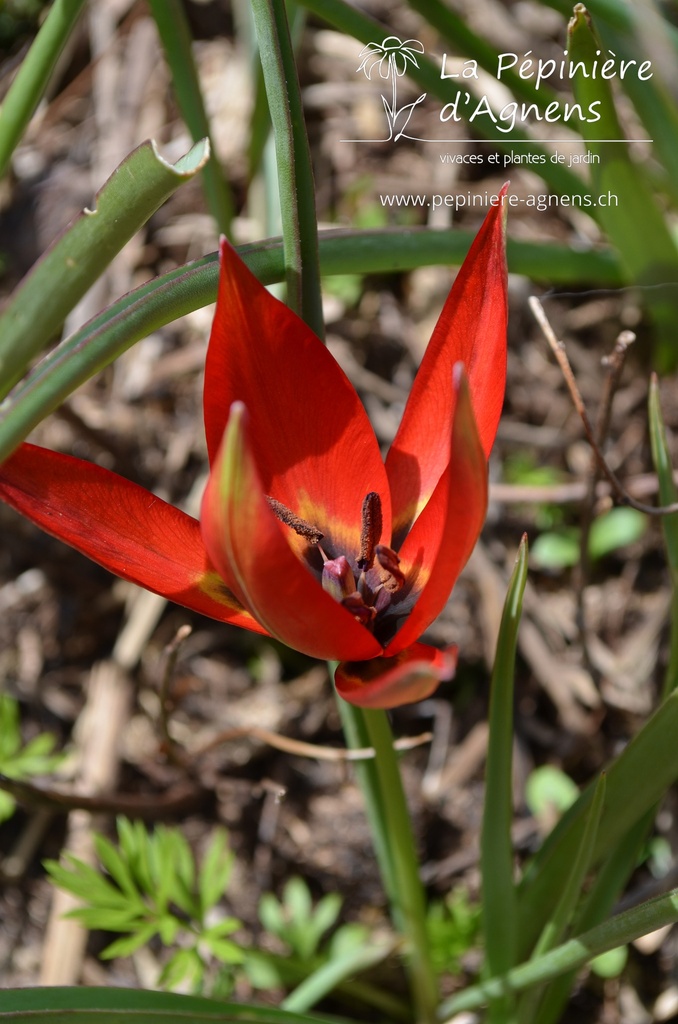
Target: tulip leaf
<point x="175" y="34"/>
<point x="496" y="848"/>
<point x="636" y="781"/>
<point x="619" y="930"/>
<point x="34" y="74"/>
<point x="158" y="302"/>
<point x="127" y="1006"/>
<point x="668" y="495"/>
<point x="40" y="304"/>
<point x="631" y="216"/>
<point x="293" y="156"/>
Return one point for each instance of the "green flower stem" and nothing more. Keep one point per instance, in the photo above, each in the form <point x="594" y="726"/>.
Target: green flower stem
<point x="175" y="34"/>
<point x="295" y="174"/>
<point x="32" y="77"/>
<point x="394" y="844"/>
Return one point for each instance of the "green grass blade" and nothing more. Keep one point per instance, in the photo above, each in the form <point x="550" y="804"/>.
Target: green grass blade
<point x="295" y="174"/>
<point x="570" y="955"/>
<point x="175" y="34"/>
<point x="135" y="190"/>
<point x="556" y="926"/>
<point x="634" y="223"/>
<point x="601" y="898"/>
<point x="158" y="302"/>
<point x="465" y="41"/>
<point x="322" y="981"/>
<point x="668" y="494"/>
<point x="34" y="74"/>
<point x="496" y="848"/>
<point x="636" y="781"/>
<point x="128" y="1006"/>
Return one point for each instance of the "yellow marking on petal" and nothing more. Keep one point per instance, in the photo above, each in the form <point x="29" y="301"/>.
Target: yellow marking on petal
<point x="212" y="584"/>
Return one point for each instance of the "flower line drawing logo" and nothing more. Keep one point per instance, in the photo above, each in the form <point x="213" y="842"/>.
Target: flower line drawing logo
<point x="391" y="58"/>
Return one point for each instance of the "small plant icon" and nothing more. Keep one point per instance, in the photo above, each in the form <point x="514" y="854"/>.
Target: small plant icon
<point x="391" y="57"/>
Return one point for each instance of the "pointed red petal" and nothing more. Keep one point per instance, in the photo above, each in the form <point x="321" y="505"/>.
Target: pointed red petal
<point x="390" y="682"/>
<point x="249" y="545"/>
<point x="121" y="526"/>
<point x="441" y="540"/>
<point x="311" y="439"/>
<point x="471" y="330"/>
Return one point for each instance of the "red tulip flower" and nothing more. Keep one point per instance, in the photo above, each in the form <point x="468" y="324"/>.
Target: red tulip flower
<point x="306" y="534"/>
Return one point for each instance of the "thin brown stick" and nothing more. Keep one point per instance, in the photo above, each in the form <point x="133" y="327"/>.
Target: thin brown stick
<point x="559" y="352"/>
<point x="301" y="749"/>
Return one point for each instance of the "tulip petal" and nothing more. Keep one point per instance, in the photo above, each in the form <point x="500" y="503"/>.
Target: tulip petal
<point x="313" y="445"/>
<point x="411" y="675"/>
<point x="122" y="526"/>
<point x="472" y="330"/>
<point x="441" y="540"/>
<point x="247" y="543"/>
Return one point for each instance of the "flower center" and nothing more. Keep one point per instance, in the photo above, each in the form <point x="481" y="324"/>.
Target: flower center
<point x="367" y="590"/>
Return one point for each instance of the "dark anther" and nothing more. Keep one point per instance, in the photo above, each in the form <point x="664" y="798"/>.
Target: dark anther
<point x="390" y="574"/>
<point x="296" y="523"/>
<point x="370" y="534"/>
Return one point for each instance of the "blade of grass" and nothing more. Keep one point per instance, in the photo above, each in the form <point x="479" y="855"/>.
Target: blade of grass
<point x="456" y="31"/>
<point x="130" y="1006"/>
<point x="667" y="495"/>
<point x="636" y="781"/>
<point x="556" y="926"/>
<point x="32" y="78"/>
<point x="496" y="848"/>
<point x="322" y="981"/>
<point x="158" y="302"/>
<point x="650" y="256"/>
<point x="570" y="955"/>
<point x="598" y="903"/>
<point x="175" y="35"/>
<point x="295" y="175"/>
<point x="36" y="311"/>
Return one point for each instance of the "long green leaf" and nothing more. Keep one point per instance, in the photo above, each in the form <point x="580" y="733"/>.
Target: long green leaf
<point x="34" y="74"/>
<point x="128" y="1006"/>
<point x="668" y="494"/>
<point x="175" y="34"/>
<point x="340" y="968"/>
<point x="496" y="848"/>
<point x="293" y="157"/>
<point x="636" y="781"/>
<point x="158" y="302"/>
<point x="631" y="218"/>
<point x="135" y="190"/>
<point x="570" y="955"/>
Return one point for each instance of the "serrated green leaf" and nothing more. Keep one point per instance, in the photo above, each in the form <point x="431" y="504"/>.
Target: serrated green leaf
<point x="129" y="943"/>
<point x="271" y="915"/>
<point x="118" y="869"/>
<point x="186" y="966"/>
<point x="227" y="952"/>
<point x="215" y="870"/>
